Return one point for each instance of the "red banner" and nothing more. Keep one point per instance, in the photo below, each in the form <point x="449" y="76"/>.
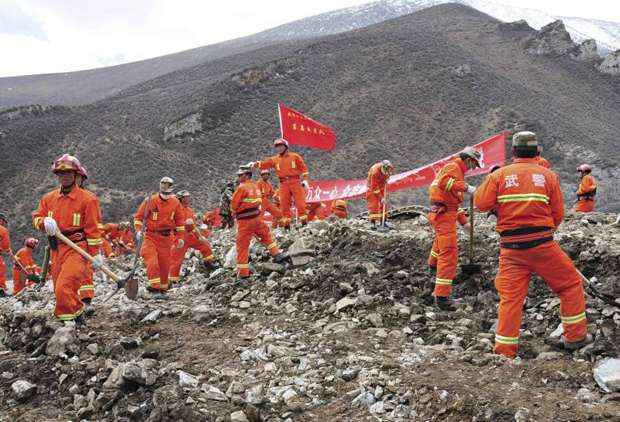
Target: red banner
<point x="492" y="150"/>
<point x="298" y="129"/>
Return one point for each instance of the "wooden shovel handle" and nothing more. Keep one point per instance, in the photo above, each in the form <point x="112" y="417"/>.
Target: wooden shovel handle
<point x="471" y="229"/>
<point x="85" y="254"/>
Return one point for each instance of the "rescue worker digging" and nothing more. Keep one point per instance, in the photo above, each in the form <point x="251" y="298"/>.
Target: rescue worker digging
<point x="163" y="215"/>
<point x="530" y="207"/>
<point x="446" y="194"/>
<point x="73" y="212"/>
<point x="293" y="175"/>
<point x="339" y="208"/>
<point x="245" y="205"/>
<point x="267" y="194"/>
<point x="5" y="248"/>
<point x="378" y="177"/>
<point x="25" y="271"/>
<point x="587" y="189"/>
<point x="192" y="237"/>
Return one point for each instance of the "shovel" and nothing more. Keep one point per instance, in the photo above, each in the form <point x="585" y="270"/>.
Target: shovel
<point x="120" y="282"/>
<point x="384" y="227"/>
<point x="471" y="268"/>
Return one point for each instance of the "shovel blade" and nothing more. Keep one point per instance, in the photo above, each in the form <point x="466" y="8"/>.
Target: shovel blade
<point x="471" y="269"/>
<point x="131" y="287"/>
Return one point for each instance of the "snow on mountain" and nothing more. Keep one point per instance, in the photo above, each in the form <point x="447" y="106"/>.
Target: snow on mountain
<point x="607" y="34"/>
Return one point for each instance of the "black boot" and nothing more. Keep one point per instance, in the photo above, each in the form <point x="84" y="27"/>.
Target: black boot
<point x="444" y="303"/>
<point x="283" y="258"/>
<point x="88" y="306"/>
<point x="576" y="345"/>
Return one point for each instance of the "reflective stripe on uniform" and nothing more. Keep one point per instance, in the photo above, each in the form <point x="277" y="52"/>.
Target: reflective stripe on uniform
<point x="449" y="184"/>
<point x="37" y="222"/>
<point x="506" y="340"/>
<point x="573" y="319"/>
<point x="443" y="281"/>
<point x="524" y="197"/>
<point x="94" y="242"/>
<point x="375" y="215"/>
<point x="86" y="287"/>
<point x="100" y="226"/>
<point x="76" y="219"/>
<point x="243" y="266"/>
<point x="251" y="200"/>
<point x="69" y="317"/>
<point x="180" y="228"/>
<point x="272" y="245"/>
<point x="434" y="254"/>
<point x="209" y="258"/>
<point x="153" y="281"/>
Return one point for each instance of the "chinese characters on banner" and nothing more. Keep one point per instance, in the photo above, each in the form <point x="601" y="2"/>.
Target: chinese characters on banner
<point x="492" y="150"/>
<point x="298" y="129"/>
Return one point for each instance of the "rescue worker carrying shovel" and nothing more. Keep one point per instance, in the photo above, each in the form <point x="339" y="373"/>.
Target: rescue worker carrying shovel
<point x="446" y="194"/>
<point x="376" y="194"/>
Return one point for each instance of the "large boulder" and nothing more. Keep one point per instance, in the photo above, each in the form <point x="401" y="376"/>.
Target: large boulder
<point x="552" y="40"/>
<point x="586" y="51"/>
<point x="611" y="64"/>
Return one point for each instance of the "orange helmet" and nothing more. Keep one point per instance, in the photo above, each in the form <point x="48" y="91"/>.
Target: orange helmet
<point x="66" y="162"/>
<point x="280" y="141"/>
<point x="31" y="242"/>
<point x="584" y="168"/>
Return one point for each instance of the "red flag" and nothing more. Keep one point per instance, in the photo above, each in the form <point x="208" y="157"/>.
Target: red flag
<point x="298" y="129"/>
<point x="492" y="150"/>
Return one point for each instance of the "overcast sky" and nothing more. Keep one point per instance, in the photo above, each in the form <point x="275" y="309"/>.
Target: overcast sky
<point x="44" y="36"/>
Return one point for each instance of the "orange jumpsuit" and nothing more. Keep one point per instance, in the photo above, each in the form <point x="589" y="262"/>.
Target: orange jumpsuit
<point x="585" y="194"/>
<point x="543" y="162"/>
<point x="290" y="169"/>
<point x="339" y="208"/>
<point x="267" y="194"/>
<point x="461" y="217"/>
<point x="376" y="184"/>
<point x="446" y="194"/>
<point x="191" y="240"/>
<point x="24" y="257"/>
<point x="530" y="207"/>
<point x="316" y="211"/>
<point x="111" y="233"/>
<point x="126" y="241"/>
<point x="209" y="218"/>
<point x="5" y="246"/>
<point x="245" y="205"/>
<point x="163" y="218"/>
<point x="76" y="214"/>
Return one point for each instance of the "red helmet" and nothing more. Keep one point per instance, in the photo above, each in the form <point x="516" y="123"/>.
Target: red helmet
<point x="82" y="171"/>
<point x="584" y="168"/>
<point x="66" y="162"/>
<point x="280" y="141"/>
<point x="31" y="242"/>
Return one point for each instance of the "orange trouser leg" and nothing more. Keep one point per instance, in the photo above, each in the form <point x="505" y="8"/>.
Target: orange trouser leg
<point x="432" y="256"/>
<point x="156" y="251"/>
<point x="276" y="213"/>
<point x="447" y="252"/>
<point x="584" y="206"/>
<point x="2" y="275"/>
<point x="204" y="248"/>
<point x="244" y="236"/>
<point x="70" y="270"/>
<point x="87" y="286"/>
<point x="18" y="282"/>
<point x="285" y="204"/>
<point x="375" y="206"/>
<point x="107" y="248"/>
<point x="299" y="195"/>
<point x="177" y="255"/>
<point x="264" y="235"/>
<point x="555" y="267"/>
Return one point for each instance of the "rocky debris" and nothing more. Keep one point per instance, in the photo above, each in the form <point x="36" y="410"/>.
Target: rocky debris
<point x="611" y="64"/>
<point x="607" y="375"/>
<point x="586" y="51"/>
<point x="152" y="316"/>
<point x="552" y="39"/>
<point x="62" y="342"/>
<point x="188" y="125"/>
<point x="23" y="389"/>
<point x="351" y="335"/>
<point x="238" y="416"/>
<point x="462" y="70"/>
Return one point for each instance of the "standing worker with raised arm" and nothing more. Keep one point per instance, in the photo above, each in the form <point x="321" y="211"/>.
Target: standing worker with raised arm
<point x="530" y="207"/>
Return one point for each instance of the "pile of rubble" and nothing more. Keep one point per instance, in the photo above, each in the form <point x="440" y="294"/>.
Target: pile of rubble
<point x="349" y="333"/>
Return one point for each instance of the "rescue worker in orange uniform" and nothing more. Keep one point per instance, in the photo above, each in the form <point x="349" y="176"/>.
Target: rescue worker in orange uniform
<point x="315" y="211"/>
<point x="446" y="194"/>
<point x="587" y="189"/>
<point x="339" y="208"/>
<point x="5" y="248"/>
<point x="245" y="205"/>
<point x="74" y="212"/>
<point x="293" y="175"/>
<point x="530" y="207"/>
<point x="376" y="184"/>
<point x="110" y="234"/>
<point x="124" y="243"/>
<point x="192" y="238"/>
<point x="25" y="271"/>
<point x="462" y="217"/>
<point x="540" y="160"/>
<point x="209" y="218"/>
<point x="163" y="215"/>
<point x="266" y="189"/>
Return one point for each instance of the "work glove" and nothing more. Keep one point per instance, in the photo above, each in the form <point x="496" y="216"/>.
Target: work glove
<point x="305" y="184"/>
<point x="98" y="262"/>
<point x="51" y="228"/>
<point x="189" y="222"/>
<point x="471" y="189"/>
<point x="180" y="243"/>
